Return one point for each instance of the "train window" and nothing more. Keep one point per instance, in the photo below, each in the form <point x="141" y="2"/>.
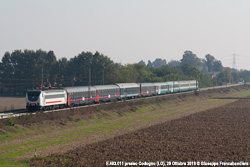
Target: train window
<point x="33" y="95"/>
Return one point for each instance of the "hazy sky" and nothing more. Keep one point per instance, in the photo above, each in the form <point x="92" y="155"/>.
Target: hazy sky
<point x="128" y="31"/>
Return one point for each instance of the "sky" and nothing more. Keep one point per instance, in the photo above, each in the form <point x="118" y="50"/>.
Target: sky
<point x="128" y="31"/>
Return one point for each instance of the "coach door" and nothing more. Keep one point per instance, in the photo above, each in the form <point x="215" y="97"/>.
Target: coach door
<point x="97" y="96"/>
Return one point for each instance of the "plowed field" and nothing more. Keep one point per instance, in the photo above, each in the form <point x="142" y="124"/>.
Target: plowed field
<point x="219" y="134"/>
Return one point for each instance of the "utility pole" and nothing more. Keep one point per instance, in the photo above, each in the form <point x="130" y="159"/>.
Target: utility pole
<point x="234" y="62"/>
<point x="103" y="74"/>
<point x="89" y="83"/>
<point x="173" y="84"/>
<point x="42" y="81"/>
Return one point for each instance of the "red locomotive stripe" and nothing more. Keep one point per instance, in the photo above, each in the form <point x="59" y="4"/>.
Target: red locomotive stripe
<point x="53" y="102"/>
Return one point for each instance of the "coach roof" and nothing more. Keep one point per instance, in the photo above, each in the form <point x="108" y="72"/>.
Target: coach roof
<point x="100" y="87"/>
<point x="147" y="84"/>
<point x="79" y="89"/>
<point x="128" y="85"/>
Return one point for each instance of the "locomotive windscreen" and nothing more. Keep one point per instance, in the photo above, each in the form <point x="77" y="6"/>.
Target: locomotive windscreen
<point x="33" y="95"/>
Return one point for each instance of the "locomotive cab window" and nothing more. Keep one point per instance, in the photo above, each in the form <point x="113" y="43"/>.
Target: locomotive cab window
<point x="33" y="95"/>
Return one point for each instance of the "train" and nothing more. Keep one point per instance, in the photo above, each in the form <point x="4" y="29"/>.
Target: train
<point x="51" y="99"/>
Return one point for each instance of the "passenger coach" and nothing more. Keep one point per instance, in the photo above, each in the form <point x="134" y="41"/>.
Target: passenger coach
<point x="80" y="95"/>
<point x="129" y="90"/>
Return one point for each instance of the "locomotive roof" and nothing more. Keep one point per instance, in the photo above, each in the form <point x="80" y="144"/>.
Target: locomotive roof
<point x="128" y="85"/>
<point x="47" y="91"/>
<point x="53" y="90"/>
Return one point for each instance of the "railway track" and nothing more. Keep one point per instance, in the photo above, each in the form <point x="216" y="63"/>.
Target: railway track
<point x="21" y="112"/>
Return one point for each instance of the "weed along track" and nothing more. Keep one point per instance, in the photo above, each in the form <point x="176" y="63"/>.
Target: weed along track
<point x="62" y="138"/>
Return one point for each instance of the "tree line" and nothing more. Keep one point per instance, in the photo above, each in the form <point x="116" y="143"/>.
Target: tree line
<point x="29" y="69"/>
